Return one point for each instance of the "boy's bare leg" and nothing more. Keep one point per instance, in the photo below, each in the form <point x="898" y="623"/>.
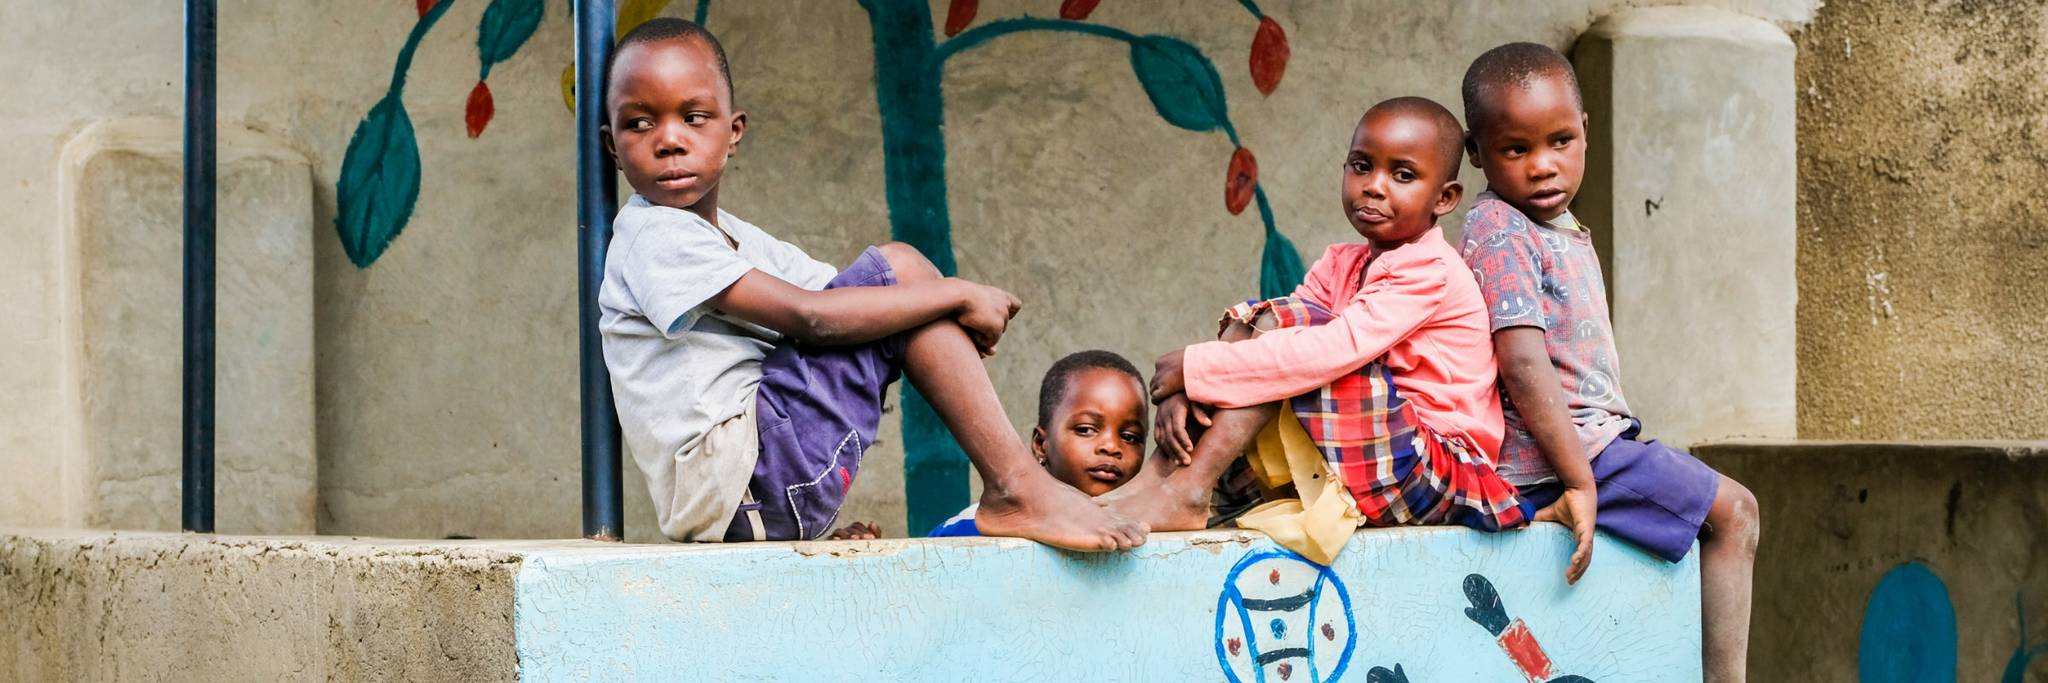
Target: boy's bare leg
<point x="1727" y="560"/>
<point x="1019" y="498"/>
<point x="1168" y="497"/>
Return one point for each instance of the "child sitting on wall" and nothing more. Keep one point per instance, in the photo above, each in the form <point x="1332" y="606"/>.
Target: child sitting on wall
<point x="1571" y="443"/>
<point x="1381" y="354"/>
<point x="1091" y="428"/>
<point x="749" y="376"/>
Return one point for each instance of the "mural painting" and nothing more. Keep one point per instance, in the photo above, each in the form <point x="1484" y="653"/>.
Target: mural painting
<point x="1183" y="87"/>
<point x="380" y="178"/>
<point x="1909" y="631"/>
<point x="1281" y="617"/>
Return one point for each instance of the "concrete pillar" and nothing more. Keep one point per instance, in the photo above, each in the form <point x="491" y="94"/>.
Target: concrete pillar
<point x="120" y="278"/>
<point x="1690" y="189"/>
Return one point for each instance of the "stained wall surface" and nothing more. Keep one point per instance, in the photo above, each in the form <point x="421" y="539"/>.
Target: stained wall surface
<point x="1923" y="243"/>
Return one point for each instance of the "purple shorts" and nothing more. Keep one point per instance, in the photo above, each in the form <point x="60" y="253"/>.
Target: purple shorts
<point x="1650" y="495"/>
<point x="817" y="410"/>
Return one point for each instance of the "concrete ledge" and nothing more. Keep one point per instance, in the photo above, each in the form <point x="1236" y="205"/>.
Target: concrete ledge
<point x="103" y="606"/>
<point x="1920" y="560"/>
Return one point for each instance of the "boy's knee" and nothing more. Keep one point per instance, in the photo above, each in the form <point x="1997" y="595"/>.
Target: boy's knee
<point x="1239" y="331"/>
<point x="1742" y="523"/>
<point x="907" y="262"/>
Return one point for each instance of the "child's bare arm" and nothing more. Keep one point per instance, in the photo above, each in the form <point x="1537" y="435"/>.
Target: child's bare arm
<point x="1533" y="386"/>
<point x="852" y="315"/>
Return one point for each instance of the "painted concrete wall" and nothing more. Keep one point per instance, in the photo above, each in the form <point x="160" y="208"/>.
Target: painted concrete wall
<point x="1421" y="604"/>
<point x="1887" y="562"/>
<point x="445" y="381"/>
<point x="1923" y="241"/>
<point x="1698" y="261"/>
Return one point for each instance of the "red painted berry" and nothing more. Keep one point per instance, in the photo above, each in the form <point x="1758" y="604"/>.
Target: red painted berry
<point x="1269" y="55"/>
<point x="959" y="15"/>
<point x="1285" y="670"/>
<point x="1239" y="180"/>
<point x="480" y="108"/>
<point x="1235" y="645"/>
<point x="426" y="5"/>
<point x="1076" y="10"/>
<point x="1274" y="577"/>
<point x="1329" y="633"/>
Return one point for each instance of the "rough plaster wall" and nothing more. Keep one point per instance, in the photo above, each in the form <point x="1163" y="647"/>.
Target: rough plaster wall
<point x="91" y="606"/>
<point x="1838" y="516"/>
<point x="446" y="374"/>
<point x="123" y="182"/>
<point x="1923" y="241"/>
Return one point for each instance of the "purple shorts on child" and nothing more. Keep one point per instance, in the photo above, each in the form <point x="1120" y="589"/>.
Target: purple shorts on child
<point x="1650" y="495"/>
<point x="817" y="410"/>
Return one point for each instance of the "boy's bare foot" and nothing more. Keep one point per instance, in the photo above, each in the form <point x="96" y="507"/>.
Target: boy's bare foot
<point x="1162" y="503"/>
<point x="1044" y="510"/>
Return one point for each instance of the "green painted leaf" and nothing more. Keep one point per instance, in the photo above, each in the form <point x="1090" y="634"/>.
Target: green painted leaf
<point x="505" y="27"/>
<point x="1182" y="84"/>
<point x="380" y="181"/>
<point x="1280" y="269"/>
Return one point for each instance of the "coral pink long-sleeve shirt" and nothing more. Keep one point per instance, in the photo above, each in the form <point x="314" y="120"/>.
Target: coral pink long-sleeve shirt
<point x="1416" y="305"/>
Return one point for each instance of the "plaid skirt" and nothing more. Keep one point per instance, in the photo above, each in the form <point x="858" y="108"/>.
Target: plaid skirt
<point x="1398" y="470"/>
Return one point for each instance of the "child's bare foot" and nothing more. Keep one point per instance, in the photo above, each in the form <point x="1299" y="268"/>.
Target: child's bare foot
<point x="1160" y="497"/>
<point x="1045" y="510"/>
<point x="1164" y="503"/>
<point x="858" y="531"/>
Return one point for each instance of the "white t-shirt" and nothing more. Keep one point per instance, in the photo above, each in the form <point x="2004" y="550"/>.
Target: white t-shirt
<point x="679" y="368"/>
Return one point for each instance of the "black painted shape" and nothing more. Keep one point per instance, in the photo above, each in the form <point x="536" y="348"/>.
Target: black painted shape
<point x="1571" y="679"/>
<point x="1286" y="604"/>
<point x="1282" y="653"/>
<point x="1380" y="674"/>
<point x="1486" y="609"/>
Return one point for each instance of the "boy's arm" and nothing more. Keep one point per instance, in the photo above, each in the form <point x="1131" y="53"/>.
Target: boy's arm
<point x="1538" y="395"/>
<point x="1291" y="361"/>
<point x="853" y="315"/>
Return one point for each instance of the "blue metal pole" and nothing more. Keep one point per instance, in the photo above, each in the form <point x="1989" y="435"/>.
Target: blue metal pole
<point x="197" y="493"/>
<point x="596" y="199"/>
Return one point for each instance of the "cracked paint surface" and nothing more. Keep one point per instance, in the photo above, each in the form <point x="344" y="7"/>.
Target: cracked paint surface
<point x="930" y="609"/>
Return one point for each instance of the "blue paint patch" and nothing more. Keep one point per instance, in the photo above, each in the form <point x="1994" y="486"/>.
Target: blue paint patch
<point x="1909" y="629"/>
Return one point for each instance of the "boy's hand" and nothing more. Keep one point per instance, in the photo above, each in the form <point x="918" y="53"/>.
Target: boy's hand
<point x="1167" y="378"/>
<point x="985" y="314"/>
<point x="858" y="531"/>
<point x="1171" y="424"/>
<point x="1575" y="509"/>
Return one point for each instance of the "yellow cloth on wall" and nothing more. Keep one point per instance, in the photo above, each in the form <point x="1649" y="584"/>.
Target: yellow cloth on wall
<point x="1322" y="519"/>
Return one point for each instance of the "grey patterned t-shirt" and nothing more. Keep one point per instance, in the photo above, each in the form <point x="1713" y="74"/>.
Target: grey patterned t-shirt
<point x="1548" y="277"/>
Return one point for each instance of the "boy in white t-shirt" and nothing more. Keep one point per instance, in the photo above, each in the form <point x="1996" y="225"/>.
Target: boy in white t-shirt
<point x="749" y="376"/>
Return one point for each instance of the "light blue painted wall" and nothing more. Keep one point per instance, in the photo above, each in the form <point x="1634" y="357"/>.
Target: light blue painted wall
<point x="1010" y="610"/>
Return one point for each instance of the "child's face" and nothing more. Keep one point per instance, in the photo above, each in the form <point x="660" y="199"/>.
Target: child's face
<point x="1396" y="179"/>
<point x="671" y="123"/>
<point x="1534" y="147"/>
<point x="1096" y="439"/>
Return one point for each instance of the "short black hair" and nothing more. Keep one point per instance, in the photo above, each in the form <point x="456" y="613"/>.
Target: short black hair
<point x="1450" y="136"/>
<point x="1060" y="376"/>
<point x="661" y="29"/>
<point x="1514" y="65"/>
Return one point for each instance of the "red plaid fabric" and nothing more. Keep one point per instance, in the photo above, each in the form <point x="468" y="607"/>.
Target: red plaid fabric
<point x="1399" y="471"/>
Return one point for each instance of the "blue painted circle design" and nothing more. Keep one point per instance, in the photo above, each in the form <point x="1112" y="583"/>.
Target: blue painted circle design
<point x="1909" y="629"/>
<point x="1309" y="631"/>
